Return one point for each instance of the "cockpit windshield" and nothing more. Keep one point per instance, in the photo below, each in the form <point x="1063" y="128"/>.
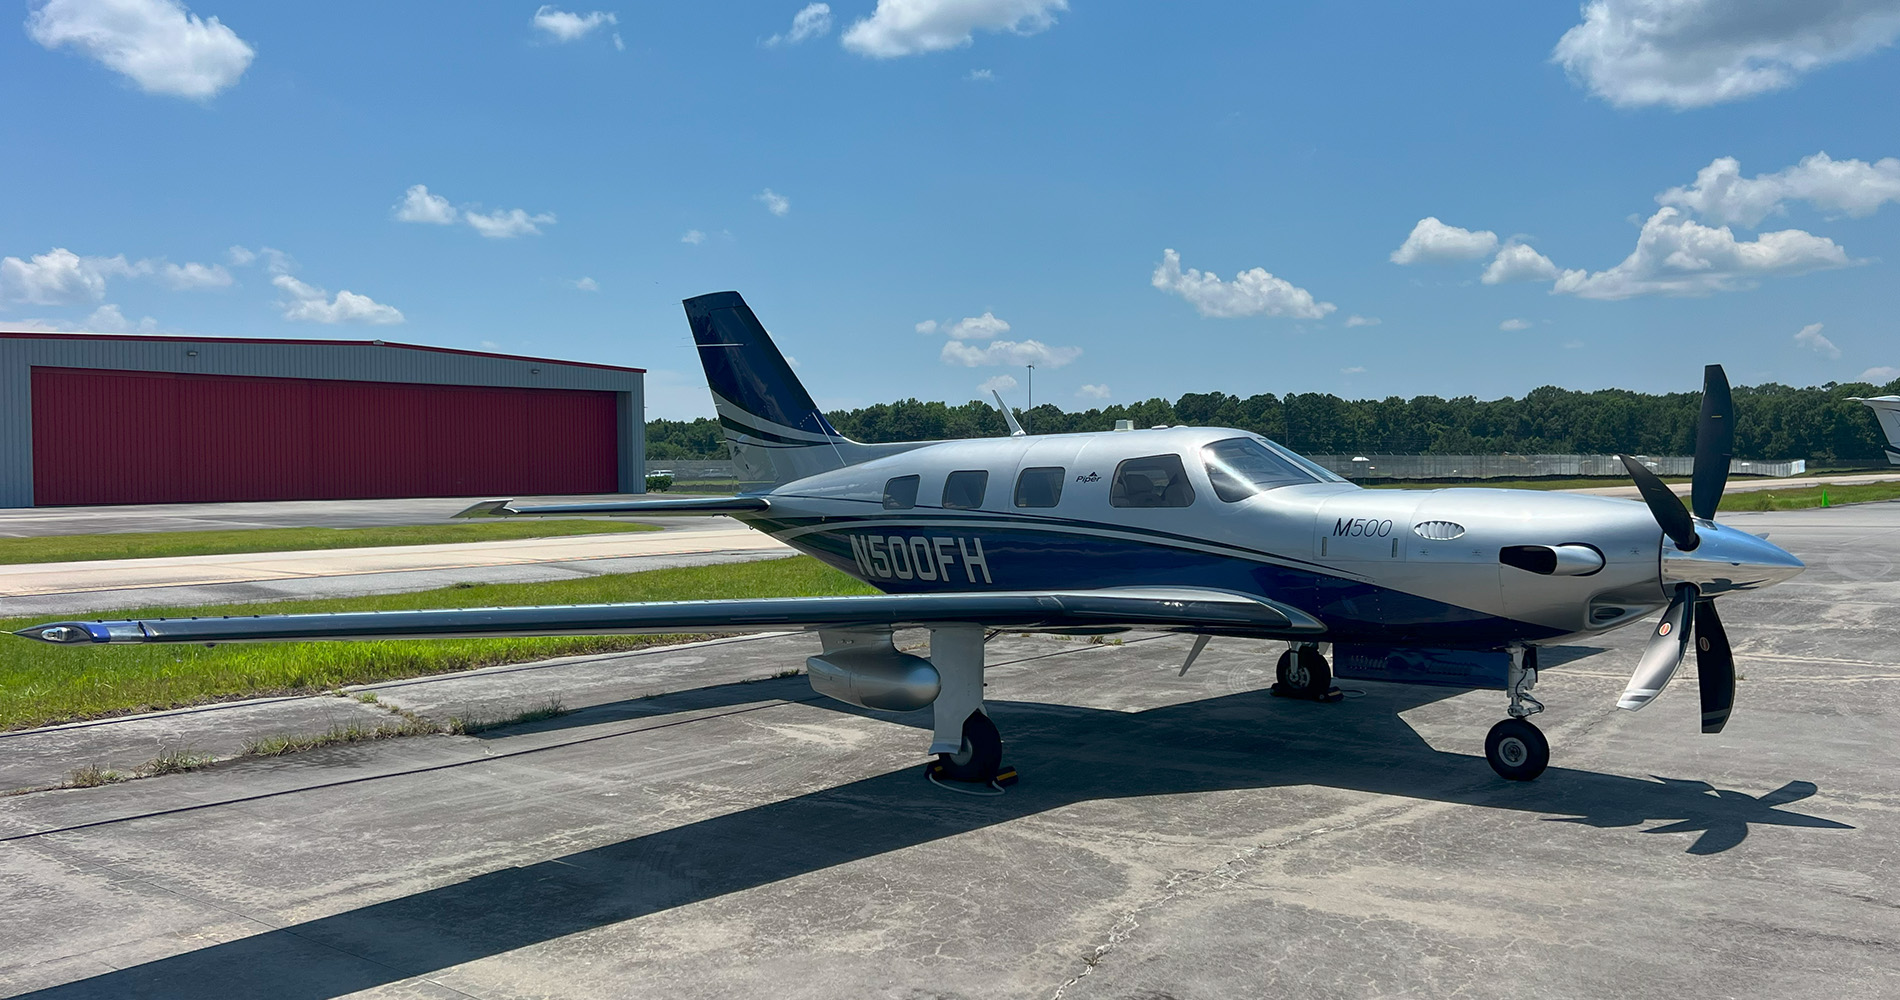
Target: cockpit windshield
<point x="1242" y="467"/>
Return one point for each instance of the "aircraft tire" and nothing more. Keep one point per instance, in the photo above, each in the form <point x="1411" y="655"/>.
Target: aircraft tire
<point x="1517" y="750"/>
<point x="980" y="757"/>
<point x="1304" y="674"/>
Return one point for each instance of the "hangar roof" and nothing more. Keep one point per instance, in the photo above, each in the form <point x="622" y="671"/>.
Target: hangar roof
<point x="143" y="338"/>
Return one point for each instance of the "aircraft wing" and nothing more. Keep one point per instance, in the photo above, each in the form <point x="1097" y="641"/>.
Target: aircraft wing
<point x="1159" y="609"/>
<point x="671" y="506"/>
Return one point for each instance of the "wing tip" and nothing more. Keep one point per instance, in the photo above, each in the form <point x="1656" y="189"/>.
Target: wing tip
<point x="487" y="508"/>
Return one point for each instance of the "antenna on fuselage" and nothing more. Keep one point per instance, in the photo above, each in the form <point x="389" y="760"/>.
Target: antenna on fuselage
<point x="1015" y="429"/>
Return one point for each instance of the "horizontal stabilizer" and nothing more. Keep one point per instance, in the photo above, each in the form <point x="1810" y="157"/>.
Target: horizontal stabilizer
<point x="671" y="506"/>
<point x="1167" y="610"/>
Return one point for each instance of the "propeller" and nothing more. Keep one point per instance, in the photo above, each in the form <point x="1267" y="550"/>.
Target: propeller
<point x="1689" y="614"/>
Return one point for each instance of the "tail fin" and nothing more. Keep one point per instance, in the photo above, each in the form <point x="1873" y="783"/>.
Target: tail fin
<point x="1887" y="411"/>
<point x="774" y="430"/>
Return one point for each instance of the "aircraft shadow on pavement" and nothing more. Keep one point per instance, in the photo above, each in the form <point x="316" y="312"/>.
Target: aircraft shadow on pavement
<point x="1068" y="754"/>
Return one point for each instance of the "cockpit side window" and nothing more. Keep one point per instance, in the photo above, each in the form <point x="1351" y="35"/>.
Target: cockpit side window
<point x="1040" y="487"/>
<point x="1154" y="481"/>
<point x="900" y="493"/>
<point x="1242" y="467"/>
<point x="964" y="490"/>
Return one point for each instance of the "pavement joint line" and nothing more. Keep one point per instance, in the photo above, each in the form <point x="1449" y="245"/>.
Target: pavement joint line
<point x="486" y="757"/>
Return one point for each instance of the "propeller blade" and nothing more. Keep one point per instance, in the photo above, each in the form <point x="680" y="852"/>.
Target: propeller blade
<point x="1715" y="667"/>
<point x="1666" y="647"/>
<point x="1664" y="505"/>
<point x="1714" y="443"/>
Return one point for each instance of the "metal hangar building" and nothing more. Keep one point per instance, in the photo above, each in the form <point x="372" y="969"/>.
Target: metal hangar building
<point x="104" y="419"/>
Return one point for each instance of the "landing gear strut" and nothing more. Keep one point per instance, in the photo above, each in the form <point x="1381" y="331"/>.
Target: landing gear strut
<point x="968" y="747"/>
<point x="1516" y="749"/>
<point x="1303" y="673"/>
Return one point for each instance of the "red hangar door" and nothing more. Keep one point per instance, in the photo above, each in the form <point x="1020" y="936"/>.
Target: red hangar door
<point x="108" y="437"/>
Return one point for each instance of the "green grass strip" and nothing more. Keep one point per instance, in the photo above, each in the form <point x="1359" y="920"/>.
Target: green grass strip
<point x="42" y="684"/>
<point x="1801" y="499"/>
<point x="153" y="544"/>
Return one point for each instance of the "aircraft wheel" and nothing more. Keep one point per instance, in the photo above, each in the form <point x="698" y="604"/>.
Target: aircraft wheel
<point x="980" y="757"/>
<point x="1304" y="673"/>
<point x="1517" y="750"/>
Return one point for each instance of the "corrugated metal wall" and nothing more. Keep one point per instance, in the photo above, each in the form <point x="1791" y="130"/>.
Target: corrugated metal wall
<point x="154" y="437"/>
<point x="345" y="361"/>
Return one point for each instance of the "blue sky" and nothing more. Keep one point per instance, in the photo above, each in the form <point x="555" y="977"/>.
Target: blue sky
<point x="959" y="186"/>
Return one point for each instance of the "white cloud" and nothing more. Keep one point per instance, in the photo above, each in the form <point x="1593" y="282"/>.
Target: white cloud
<point x="1515" y="324"/>
<point x="585" y="284"/>
<point x="57" y="277"/>
<point x="775" y="203"/>
<point x="1880" y="375"/>
<point x="1675" y="255"/>
<point x="909" y="27"/>
<point x="1810" y="337"/>
<point x="418" y="205"/>
<point x="997" y="383"/>
<point x="1518" y="262"/>
<point x="564" y="26"/>
<point x="1722" y="195"/>
<point x="191" y="276"/>
<point x="1093" y="392"/>
<point x="984" y="327"/>
<point x="1008" y="352"/>
<point x="1354" y="370"/>
<point x="812" y="21"/>
<point x="1693" y="53"/>
<point x="981" y="76"/>
<point x="275" y="261"/>
<point x="1363" y="321"/>
<point x="156" y="43"/>
<point x="105" y="319"/>
<point x="927" y="327"/>
<point x="507" y="224"/>
<point x="1432" y="240"/>
<point x="240" y="256"/>
<point x="1251" y="293"/>
<point x="693" y="236"/>
<point x="313" y="305"/>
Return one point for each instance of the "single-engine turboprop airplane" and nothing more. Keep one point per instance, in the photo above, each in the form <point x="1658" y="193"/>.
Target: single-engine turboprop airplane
<point x="1203" y="531"/>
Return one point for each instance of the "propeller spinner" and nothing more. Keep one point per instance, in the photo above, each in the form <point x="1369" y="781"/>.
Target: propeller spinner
<point x="1700" y="560"/>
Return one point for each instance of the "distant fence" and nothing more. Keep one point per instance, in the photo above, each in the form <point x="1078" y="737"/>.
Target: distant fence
<point x="691" y="470"/>
<point x="1399" y="466"/>
<point x="1529" y="466"/>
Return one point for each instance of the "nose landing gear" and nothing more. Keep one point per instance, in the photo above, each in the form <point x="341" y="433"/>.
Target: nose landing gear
<point x="1516" y="749"/>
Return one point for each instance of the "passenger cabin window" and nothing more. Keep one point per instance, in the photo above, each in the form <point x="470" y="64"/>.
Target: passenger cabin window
<point x="900" y="493"/>
<point x="964" y="490"/>
<point x="1040" y="487"/>
<point x="1242" y="467"/>
<point x="1154" y="481"/>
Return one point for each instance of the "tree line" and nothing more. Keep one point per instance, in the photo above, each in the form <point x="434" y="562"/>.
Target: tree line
<point x="1772" y="422"/>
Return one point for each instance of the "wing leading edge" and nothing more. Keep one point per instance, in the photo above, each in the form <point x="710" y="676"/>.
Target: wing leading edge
<point x="671" y="506"/>
<point x="1169" y="610"/>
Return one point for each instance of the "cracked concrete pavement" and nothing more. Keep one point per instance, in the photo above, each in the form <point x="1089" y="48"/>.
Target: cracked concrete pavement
<point x="685" y="834"/>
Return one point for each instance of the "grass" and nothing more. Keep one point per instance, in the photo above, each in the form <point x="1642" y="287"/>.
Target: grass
<point x="42" y="684"/>
<point x="550" y="709"/>
<point x="153" y="544"/>
<point x="1801" y="499"/>
<point x="355" y="732"/>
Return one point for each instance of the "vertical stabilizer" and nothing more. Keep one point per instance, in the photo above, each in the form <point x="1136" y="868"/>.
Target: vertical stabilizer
<point x="1887" y="411"/>
<point x="774" y="430"/>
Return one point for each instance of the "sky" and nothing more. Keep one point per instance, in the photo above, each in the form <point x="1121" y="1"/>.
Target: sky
<point x="921" y="197"/>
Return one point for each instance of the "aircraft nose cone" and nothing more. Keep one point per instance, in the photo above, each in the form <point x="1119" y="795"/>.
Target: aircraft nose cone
<point x="1728" y="559"/>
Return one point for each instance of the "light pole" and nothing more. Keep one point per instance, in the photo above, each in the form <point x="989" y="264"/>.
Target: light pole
<point x="1032" y="396"/>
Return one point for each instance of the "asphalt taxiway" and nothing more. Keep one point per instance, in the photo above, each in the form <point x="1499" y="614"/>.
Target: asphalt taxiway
<point x="688" y="834"/>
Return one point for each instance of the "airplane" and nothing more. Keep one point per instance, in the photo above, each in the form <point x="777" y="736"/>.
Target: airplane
<point x="1887" y="411"/>
<point x="1203" y="531"/>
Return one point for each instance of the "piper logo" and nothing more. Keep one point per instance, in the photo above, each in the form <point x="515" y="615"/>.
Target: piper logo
<point x="921" y="557"/>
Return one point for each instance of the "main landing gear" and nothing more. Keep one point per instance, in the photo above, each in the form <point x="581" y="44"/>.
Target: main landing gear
<point x="1303" y="673"/>
<point x="968" y="746"/>
<point x="1516" y="749"/>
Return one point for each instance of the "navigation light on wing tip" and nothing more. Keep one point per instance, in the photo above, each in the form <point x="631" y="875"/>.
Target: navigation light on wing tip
<point x="57" y="633"/>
